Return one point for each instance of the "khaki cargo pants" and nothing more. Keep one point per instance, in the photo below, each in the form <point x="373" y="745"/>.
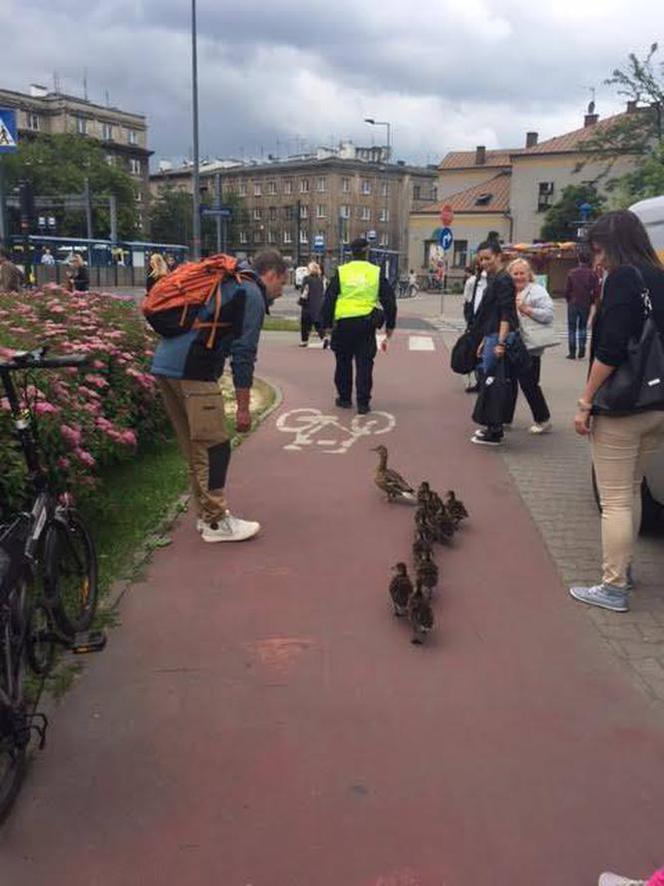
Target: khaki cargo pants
<point x="196" y="411"/>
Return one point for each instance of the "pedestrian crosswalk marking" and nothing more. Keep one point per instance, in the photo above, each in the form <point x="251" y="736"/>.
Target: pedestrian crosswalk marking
<point x="421" y="343"/>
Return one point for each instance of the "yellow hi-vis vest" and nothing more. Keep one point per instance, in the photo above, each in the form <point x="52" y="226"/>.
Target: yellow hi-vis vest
<point x="359" y="282"/>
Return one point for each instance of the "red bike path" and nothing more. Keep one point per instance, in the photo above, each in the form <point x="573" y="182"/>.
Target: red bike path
<point x="259" y="718"/>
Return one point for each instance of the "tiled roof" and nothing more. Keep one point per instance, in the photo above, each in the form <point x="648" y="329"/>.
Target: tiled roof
<point x="497" y="187"/>
<point x="570" y="142"/>
<point x="466" y="160"/>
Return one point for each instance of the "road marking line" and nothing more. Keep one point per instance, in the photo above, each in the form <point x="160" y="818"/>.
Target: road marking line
<point x="421" y="343"/>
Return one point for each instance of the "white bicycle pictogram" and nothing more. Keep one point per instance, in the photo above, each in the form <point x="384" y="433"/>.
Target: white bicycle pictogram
<point x="313" y="428"/>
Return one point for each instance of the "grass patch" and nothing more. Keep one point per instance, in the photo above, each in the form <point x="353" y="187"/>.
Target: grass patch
<point x="281" y="324"/>
<point x="131" y="503"/>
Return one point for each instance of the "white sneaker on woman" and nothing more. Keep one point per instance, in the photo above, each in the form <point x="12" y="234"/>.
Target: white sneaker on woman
<point x="230" y="528"/>
<point x="540" y="427"/>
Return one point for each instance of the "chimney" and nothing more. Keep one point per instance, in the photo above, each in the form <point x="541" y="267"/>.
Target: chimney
<point x="590" y="120"/>
<point x="531" y="139"/>
<point x="480" y="155"/>
<point x="37" y="91"/>
<point x="631" y="106"/>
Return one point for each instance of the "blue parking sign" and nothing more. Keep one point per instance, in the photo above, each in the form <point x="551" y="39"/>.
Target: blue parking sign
<point x="8" y="139"/>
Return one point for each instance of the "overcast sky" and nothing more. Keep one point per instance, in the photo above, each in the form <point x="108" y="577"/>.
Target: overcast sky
<point x="450" y="74"/>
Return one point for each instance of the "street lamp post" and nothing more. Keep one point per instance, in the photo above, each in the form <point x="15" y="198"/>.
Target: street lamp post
<point x="196" y="207"/>
<point x="388" y="127"/>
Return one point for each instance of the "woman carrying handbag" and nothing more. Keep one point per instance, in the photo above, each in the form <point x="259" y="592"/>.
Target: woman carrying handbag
<point x="621" y="408"/>
<point x="536" y="316"/>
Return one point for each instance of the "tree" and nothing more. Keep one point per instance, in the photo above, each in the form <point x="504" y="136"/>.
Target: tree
<point x="171" y="218"/>
<point x="58" y="165"/>
<point x="562" y="218"/>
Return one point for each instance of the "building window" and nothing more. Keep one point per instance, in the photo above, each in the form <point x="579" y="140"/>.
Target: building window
<point x="81" y="125"/>
<point x="134" y="166"/>
<point x="242" y="189"/>
<point x="417" y="192"/>
<point x="344" y="211"/>
<point x="344" y="231"/>
<point x="257" y="189"/>
<point x="289" y="213"/>
<point x="288" y="237"/>
<point x="304" y="212"/>
<point x="384" y="189"/>
<point x="107" y="132"/>
<point x="321" y="211"/>
<point x="345" y="185"/>
<point x="304" y="236"/>
<point x="365" y="213"/>
<point x="385" y="239"/>
<point x="258" y="236"/>
<point x="33" y="122"/>
<point x="258" y="214"/>
<point x="132" y="136"/>
<point x="304" y="186"/>
<point x="544" y="196"/>
<point x="366" y="186"/>
<point x="243" y="237"/>
<point x="460" y="255"/>
<point x="272" y="188"/>
<point x="272" y="213"/>
<point x="385" y="215"/>
<point x="271" y="236"/>
<point x="321" y="184"/>
<point x="288" y="186"/>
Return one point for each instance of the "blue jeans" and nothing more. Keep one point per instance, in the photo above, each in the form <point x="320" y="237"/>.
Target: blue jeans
<point x="577" y="320"/>
<point x="489" y="359"/>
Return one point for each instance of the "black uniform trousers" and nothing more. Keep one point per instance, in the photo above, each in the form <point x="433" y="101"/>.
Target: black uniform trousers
<point x="354" y="339"/>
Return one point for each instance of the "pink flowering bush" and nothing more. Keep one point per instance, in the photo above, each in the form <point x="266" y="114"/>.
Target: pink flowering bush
<point x="91" y="419"/>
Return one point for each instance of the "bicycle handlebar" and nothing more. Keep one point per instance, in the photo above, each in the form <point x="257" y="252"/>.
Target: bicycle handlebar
<point x="37" y="359"/>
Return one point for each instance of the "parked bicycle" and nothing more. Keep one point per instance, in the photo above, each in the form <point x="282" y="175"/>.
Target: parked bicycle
<point x="48" y="585"/>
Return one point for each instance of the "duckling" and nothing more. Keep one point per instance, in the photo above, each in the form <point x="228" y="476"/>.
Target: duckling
<point x="423" y="526"/>
<point x="401" y="588"/>
<point x="420" y="614"/>
<point x="435" y="502"/>
<point x="391" y="482"/>
<point x="455" y="507"/>
<point x="423" y="494"/>
<point x="444" y="526"/>
<point x="427" y="575"/>
<point x="422" y="549"/>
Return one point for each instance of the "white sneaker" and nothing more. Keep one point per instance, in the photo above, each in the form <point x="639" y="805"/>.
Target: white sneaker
<point x="538" y="428"/>
<point x="230" y="528"/>
<point x="609" y="879"/>
<point x="200" y="524"/>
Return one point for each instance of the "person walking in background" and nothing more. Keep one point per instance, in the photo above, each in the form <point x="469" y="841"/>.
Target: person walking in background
<point x="351" y="310"/>
<point x="498" y="322"/>
<point x="581" y="293"/>
<point x="311" y="303"/>
<point x="412" y="284"/>
<point x="620" y="443"/>
<point x="157" y="269"/>
<point x="11" y="278"/>
<point x="473" y="290"/>
<point x="47" y="257"/>
<point x="79" y="278"/>
<point x="536" y="316"/>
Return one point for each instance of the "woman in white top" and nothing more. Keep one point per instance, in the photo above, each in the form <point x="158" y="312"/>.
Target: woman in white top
<point x="536" y="316"/>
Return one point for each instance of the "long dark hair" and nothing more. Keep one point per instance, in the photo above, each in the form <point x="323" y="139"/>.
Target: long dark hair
<point x="624" y="239"/>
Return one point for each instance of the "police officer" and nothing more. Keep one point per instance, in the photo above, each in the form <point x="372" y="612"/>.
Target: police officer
<point x="358" y="301"/>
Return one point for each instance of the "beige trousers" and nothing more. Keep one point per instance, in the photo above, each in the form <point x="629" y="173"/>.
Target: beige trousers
<point x="620" y="447"/>
<point x="196" y="411"/>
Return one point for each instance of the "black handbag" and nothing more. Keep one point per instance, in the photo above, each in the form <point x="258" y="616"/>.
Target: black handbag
<point x="517" y="353"/>
<point x="463" y="358"/>
<point x="494" y="399"/>
<point x="637" y="385"/>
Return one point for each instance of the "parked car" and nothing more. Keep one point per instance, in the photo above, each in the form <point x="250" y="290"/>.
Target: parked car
<point x="651" y="213"/>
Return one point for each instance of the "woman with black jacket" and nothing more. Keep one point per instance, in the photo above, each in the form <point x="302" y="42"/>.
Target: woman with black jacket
<point x="620" y="444"/>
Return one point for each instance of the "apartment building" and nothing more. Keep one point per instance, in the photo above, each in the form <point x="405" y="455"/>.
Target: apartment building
<point x="508" y="191"/>
<point x="316" y="204"/>
<point x="122" y="134"/>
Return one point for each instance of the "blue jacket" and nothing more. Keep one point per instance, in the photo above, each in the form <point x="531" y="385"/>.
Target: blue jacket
<point x="187" y="356"/>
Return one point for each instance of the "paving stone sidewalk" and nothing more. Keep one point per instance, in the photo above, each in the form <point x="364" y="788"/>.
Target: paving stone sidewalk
<point x="553" y="475"/>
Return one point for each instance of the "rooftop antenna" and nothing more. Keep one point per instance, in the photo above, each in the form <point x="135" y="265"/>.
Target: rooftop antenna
<point x="108" y="98"/>
<point x="85" y="83"/>
<point x="56" y="83"/>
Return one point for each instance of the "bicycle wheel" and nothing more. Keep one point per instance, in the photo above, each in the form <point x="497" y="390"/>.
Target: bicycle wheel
<point x="13" y="711"/>
<point x="70" y="573"/>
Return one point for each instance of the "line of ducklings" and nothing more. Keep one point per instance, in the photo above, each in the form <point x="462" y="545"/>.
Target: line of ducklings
<point x="436" y="521"/>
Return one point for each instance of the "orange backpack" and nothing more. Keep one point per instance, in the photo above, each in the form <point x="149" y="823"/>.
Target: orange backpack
<point x="171" y="306"/>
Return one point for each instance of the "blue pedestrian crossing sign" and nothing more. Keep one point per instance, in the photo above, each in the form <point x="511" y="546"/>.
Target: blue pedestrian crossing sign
<point x="8" y="139"/>
<point x="445" y="238"/>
